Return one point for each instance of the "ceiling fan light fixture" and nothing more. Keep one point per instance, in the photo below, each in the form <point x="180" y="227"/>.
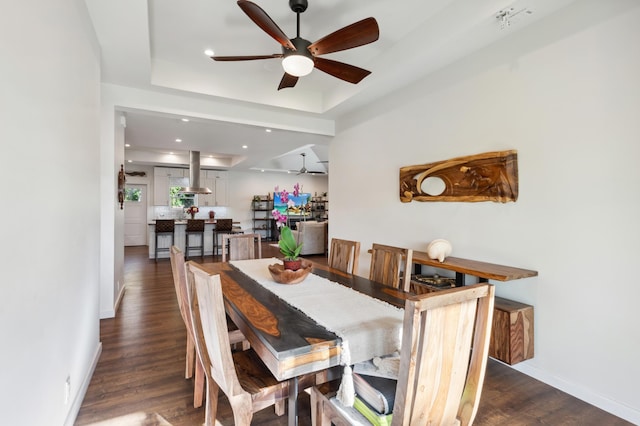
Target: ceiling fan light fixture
<point x="297" y="65"/>
<point x="299" y="62"/>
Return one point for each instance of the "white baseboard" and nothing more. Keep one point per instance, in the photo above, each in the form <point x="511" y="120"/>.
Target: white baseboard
<point x="119" y="299"/>
<point x="111" y="313"/>
<point x="614" y="407"/>
<point x="77" y="401"/>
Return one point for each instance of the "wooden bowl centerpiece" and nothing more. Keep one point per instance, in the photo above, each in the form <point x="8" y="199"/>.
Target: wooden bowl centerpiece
<point x="287" y="276"/>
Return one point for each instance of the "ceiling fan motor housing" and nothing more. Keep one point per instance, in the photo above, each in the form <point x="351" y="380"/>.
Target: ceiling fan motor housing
<point x="301" y="46"/>
<point x="298" y="6"/>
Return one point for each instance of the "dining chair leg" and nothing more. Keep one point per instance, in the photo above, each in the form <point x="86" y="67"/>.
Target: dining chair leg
<point x="211" y="410"/>
<point x="293" y="401"/>
<point x="319" y="416"/>
<point x="242" y="410"/>
<point x="313" y="402"/>
<point x="280" y="407"/>
<point x="198" y="385"/>
<point x="191" y="356"/>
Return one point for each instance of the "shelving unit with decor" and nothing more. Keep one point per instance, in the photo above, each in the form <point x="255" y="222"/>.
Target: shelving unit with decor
<point x="261" y="206"/>
<point x="319" y="208"/>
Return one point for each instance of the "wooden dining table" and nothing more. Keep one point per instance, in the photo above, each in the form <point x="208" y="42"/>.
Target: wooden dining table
<point x="290" y="343"/>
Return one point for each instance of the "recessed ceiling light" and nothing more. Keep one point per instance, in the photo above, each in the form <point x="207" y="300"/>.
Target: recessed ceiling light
<point x="262" y="170"/>
<point x="244" y="147"/>
<point x="267" y="130"/>
<point x="186" y="120"/>
<point x="127" y="145"/>
<point x="178" y="140"/>
<point x="208" y="52"/>
<point x="129" y="161"/>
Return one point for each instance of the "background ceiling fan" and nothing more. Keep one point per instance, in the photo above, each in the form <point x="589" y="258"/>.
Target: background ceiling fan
<point x="304" y="170"/>
<point x="300" y="56"/>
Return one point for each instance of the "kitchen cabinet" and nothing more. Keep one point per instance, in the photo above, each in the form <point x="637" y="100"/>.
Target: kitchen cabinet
<point x="206" y="182"/>
<point x="160" y="186"/>
<point x="163" y="179"/>
<point x="216" y="181"/>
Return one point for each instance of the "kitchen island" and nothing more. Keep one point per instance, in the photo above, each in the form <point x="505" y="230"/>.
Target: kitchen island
<point x="179" y="237"/>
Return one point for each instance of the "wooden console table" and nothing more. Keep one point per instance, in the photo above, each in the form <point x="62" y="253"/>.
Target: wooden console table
<point x="512" y="332"/>
<point x="483" y="270"/>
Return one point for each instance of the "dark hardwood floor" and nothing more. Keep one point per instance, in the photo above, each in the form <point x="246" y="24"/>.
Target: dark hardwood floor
<point x="139" y="379"/>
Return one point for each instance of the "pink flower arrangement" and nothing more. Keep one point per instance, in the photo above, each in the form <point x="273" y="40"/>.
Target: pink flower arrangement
<point x="284" y="197"/>
<point x="289" y="247"/>
<point x="279" y="217"/>
<point x="192" y="210"/>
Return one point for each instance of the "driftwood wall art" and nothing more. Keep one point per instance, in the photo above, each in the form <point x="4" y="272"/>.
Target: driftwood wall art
<point x="121" y="180"/>
<point x="492" y="176"/>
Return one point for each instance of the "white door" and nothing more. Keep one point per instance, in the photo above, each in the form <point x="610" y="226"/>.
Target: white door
<point x="135" y="215"/>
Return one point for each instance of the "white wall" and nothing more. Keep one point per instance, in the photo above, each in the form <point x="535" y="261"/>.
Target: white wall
<point x="49" y="109"/>
<point x="565" y="94"/>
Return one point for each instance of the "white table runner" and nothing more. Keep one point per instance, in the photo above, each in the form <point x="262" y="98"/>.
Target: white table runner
<point x="368" y="327"/>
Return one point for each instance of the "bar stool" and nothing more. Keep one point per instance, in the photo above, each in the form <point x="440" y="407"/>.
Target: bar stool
<point x="223" y="226"/>
<point x="195" y="228"/>
<point x="164" y="227"/>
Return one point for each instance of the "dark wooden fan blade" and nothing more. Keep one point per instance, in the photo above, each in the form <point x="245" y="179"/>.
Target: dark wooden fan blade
<point x="357" y="34"/>
<point x="341" y="70"/>
<point x="246" y="58"/>
<point x="263" y="20"/>
<point x="287" y="81"/>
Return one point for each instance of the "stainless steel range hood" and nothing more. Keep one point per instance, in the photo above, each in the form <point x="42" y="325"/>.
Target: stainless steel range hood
<point x="194" y="176"/>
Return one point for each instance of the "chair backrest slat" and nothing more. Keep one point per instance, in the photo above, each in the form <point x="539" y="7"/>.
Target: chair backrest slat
<point x="195" y="225"/>
<point x="224" y="225"/>
<point x="242" y="246"/>
<point x="389" y="264"/>
<point x="344" y="255"/>
<point x="181" y="286"/>
<point x="165" y="225"/>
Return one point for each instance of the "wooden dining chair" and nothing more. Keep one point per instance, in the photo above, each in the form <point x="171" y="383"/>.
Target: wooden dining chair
<point x="244" y="379"/>
<point x="443" y="359"/>
<point x="241" y="246"/>
<point x="344" y="255"/>
<point x="391" y="266"/>
<point x="192" y="360"/>
<point x="221" y="228"/>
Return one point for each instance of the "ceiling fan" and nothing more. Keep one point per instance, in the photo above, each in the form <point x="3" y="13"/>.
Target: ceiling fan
<point x="304" y="170"/>
<point x="300" y="56"/>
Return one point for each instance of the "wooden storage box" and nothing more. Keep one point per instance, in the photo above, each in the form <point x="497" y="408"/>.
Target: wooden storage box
<point x="512" y="333"/>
